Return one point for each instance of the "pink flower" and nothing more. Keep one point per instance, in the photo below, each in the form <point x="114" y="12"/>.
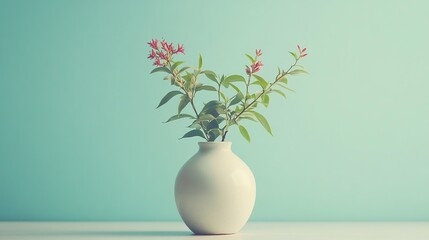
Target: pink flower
<point x="248" y="71"/>
<point x="153" y="44"/>
<point x="171" y="48"/>
<point x="301" y="52"/>
<point x="158" y="62"/>
<point x="254" y="68"/>
<point x="180" y="49"/>
<point x="162" y="55"/>
<point x="152" y="55"/>
<point x="164" y="45"/>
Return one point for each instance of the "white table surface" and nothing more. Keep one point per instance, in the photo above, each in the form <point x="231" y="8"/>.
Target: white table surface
<point x="253" y="230"/>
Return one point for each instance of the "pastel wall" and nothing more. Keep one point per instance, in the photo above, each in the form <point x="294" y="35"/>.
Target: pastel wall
<point x="80" y="138"/>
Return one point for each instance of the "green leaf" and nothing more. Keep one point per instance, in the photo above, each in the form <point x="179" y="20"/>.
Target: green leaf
<point x="257" y="83"/>
<point x="187" y="77"/>
<point x="235" y="78"/>
<point x="261" y="81"/>
<point x="279" y="92"/>
<point x="237" y="98"/>
<point x="212" y="125"/>
<point x="233" y="122"/>
<point x="216" y="130"/>
<point x="179" y="116"/>
<point x="205" y="87"/>
<point x="297" y="71"/>
<point x="214" y="108"/>
<point x="200" y="62"/>
<point x="195" y="124"/>
<point x="208" y="72"/>
<point x="161" y="69"/>
<point x="283" y="80"/>
<point x="212" y="76"/>
<point x="246" y="118"/>
<point x="236" y="88"/>
<point x="223" y="96"/>
<point x="294" y="55"/>
<point x="194" y="133"/>
<point x="265" y="100"/>
<point x="206" y="117"/>
<point x="184" y="100"/>
<point x="211" y="104"/>
<point x="167" y="97"/>
<point x="188" y="80"/>
<point x="250" y="58"/>
<point x="244" y="133"/>
<point x="263" y="121"/>
<point x="251" y="96"/>
<point x="220" y="119"/>
<point x="176" y="64"/>
<point x="183" y="69"/>
<point x="222" y="79"/>
<point x="280" y="85"/>
<point x="213" y="134"/>
<point x="247" y="114"/>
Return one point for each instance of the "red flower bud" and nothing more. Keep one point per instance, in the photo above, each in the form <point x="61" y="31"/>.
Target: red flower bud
<point x="152" y="55"/>
<point x="158" y="62"/>
<point x="180" y="49"/>
<point x="162" y="55"/>
<point x="248" y="70"/>
<point x="258" y="64"/>
<point x="255" y="67"/>
<point x="153" y="44"/>
<point x="171" y="48"/>
<point x="164" y="45"/>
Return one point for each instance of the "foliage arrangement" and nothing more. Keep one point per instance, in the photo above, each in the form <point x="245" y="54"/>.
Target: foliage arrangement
<point x="216" y="117"/>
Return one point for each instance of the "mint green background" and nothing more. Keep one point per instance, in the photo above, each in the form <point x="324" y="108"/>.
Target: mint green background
<point x="80" y="138"/>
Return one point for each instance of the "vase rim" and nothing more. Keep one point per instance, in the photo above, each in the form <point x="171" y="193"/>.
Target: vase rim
<point x="225" y="142"/>
<point x="215" y="145"/>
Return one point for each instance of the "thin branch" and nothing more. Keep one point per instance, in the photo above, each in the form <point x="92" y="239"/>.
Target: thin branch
<point x="245" y="107"/>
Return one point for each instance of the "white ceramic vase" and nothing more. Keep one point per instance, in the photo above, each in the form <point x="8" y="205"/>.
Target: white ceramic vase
<point x="215" y="190"/>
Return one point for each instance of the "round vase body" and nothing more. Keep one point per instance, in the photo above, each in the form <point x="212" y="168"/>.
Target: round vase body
<point x="215" y="190"/>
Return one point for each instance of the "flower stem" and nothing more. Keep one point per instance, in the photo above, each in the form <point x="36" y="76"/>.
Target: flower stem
<point x="245" y="107"/>
<point x="191" y="100"/>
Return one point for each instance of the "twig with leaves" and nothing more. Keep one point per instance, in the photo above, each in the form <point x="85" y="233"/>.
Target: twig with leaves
<point x="217" y="116"/>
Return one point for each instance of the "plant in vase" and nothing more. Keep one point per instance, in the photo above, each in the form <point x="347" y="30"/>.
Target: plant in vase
<point x="215" y="190"/>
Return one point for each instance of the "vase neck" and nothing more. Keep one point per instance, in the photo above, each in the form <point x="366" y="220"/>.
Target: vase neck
<point x="215" y="146"/>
